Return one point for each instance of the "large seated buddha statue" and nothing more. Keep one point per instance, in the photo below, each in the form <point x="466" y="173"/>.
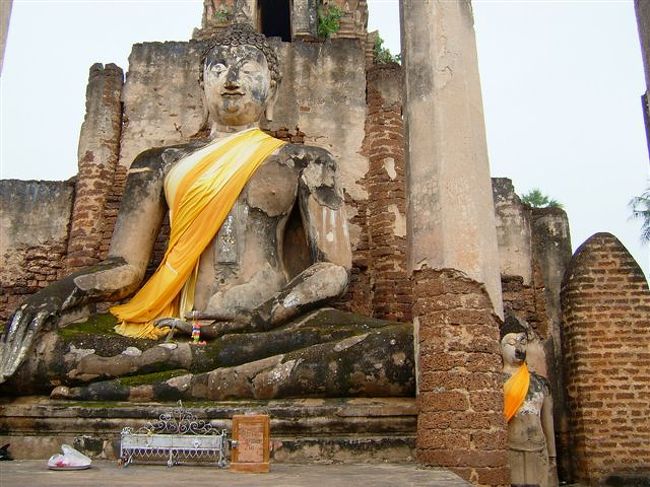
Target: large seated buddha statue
<point x="229" y="269"/>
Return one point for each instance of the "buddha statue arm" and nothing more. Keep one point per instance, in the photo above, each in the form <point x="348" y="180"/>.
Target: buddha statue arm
<point x="325" y="224"/>
<point x="111" y="279"/>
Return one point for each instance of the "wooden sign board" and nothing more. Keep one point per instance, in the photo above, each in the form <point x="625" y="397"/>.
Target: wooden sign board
<point x="250" y="453"/>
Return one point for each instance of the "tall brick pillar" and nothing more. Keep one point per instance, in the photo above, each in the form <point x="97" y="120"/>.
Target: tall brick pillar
<point x="606" y="306"/>
<point x="99" y="144"/>
<point x="391" y="298"/>
<point x="452" y="245"/>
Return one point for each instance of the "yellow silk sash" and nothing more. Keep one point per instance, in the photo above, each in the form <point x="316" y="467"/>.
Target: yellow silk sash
<point x="203" y="198"/>
<point x="514" y="391"/>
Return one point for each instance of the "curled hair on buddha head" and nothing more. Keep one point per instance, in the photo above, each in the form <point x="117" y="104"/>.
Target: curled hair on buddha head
<point x="243" y="34"/>
<point x="511" y="324"/>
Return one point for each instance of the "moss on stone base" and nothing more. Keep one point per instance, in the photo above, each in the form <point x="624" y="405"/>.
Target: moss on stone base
<point x="153" y="378"/>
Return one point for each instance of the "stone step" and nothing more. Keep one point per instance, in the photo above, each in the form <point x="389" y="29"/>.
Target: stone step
<point x="302" y="430"/>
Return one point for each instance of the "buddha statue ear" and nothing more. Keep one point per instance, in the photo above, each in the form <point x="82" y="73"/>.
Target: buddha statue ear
<point x="270" y="103"/>
<point x="204" y="103"/>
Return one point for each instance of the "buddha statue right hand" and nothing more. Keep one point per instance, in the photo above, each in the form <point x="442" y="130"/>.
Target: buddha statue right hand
<point x="39" y="312"/>
<point x="42" y="310"/>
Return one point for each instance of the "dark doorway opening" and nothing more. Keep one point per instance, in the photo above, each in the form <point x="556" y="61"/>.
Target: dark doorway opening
<point x="275" y="18"/>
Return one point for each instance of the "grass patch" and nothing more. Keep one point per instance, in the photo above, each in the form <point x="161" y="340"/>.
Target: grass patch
<point x="98" y="324"/>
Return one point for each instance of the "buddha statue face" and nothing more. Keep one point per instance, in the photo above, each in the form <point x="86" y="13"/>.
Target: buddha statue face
<point x="513" y="348"/>
<point x="237" y="84"/>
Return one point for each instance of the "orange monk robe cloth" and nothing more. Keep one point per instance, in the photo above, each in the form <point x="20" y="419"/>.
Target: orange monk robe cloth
<point x="204" y="196"/>
<point x="514" y="391"/>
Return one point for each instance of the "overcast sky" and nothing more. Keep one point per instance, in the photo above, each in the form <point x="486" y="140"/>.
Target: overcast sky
<point x="561" y="84"/>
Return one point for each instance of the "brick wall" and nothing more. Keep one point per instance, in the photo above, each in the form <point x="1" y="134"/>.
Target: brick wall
<point x="527" y="300"/>
<point x="606" y="305"/>
<point x="29" y="270"/>
<point x="460" y="398"/>
<point x="34" y="219"/>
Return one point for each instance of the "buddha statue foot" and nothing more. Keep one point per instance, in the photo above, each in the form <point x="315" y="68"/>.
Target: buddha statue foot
<point x="376" y="363"/>
<point x="327" y="353"/>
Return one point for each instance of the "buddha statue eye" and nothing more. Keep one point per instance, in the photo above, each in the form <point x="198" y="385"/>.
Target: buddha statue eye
<point x="217" y="67"/>
<point x="249" y="67"/>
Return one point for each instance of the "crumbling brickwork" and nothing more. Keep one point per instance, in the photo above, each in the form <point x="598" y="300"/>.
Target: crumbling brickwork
<point x="384" y="142"/>
<point x="527" y="300"/>
<point x="99" y="144"/>
<point x="460" y="399"/>
<point x="34" y="218"/>
<point x="606" y="305"/>
<point x="38" y="266"/>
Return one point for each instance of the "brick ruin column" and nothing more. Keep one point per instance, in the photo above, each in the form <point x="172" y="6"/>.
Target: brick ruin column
<point x="392" y="297"/>
<point x="98" y="152"/>
<point x="606" y="306"/>
<point x="452" y="245"/>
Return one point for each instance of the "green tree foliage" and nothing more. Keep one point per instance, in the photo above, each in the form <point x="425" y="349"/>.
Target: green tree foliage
<point x="383" y="54"/>
<point x="329" y="20"/>
<point x="536" y="199"/>
<point x="641" y="210"/>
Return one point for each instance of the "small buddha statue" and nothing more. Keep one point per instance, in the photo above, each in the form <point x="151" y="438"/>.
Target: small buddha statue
<point x="528" y="409"/>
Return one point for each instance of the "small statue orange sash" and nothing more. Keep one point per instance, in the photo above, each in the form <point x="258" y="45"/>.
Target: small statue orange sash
<point x="203" y="198"/>
<point x="515" y="390"/>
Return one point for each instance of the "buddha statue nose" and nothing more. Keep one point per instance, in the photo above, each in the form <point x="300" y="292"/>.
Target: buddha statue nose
<point x="232" y="78"/>
<point x="520" y="353"/>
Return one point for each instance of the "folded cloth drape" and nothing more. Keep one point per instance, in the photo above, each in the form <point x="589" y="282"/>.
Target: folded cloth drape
<point x="203" y="197"/>
<point x="515" y="390"/>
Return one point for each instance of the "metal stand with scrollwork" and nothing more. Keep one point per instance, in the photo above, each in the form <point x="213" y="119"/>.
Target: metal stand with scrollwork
<point x="176" y="436"/>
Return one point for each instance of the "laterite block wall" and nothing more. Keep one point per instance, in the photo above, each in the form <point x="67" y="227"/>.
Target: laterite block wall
<point x="606" y="303"/>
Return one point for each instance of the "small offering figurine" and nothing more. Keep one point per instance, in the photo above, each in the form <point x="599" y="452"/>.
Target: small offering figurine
<point x="196" y="332"/>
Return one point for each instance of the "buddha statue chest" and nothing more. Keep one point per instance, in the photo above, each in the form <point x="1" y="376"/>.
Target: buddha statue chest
<point x="245" y="257"/>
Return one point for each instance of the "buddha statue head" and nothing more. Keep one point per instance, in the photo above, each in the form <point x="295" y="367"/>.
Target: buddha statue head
<point x="514" y="339"/>
<point x="240" y="77"/>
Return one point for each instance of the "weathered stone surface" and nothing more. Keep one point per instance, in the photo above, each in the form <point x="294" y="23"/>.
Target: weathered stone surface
<point x="162" y="97"/>
<point x="552" y="251"/>
<point x="513" y="231"/>
<point x="303" y="430"/>
<point x="5" y="15"/>
<point x="450" y="217"/>
<point x="317" y="355"/>
<point x="323" y="93"/>
<point x="304" y="18"/>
